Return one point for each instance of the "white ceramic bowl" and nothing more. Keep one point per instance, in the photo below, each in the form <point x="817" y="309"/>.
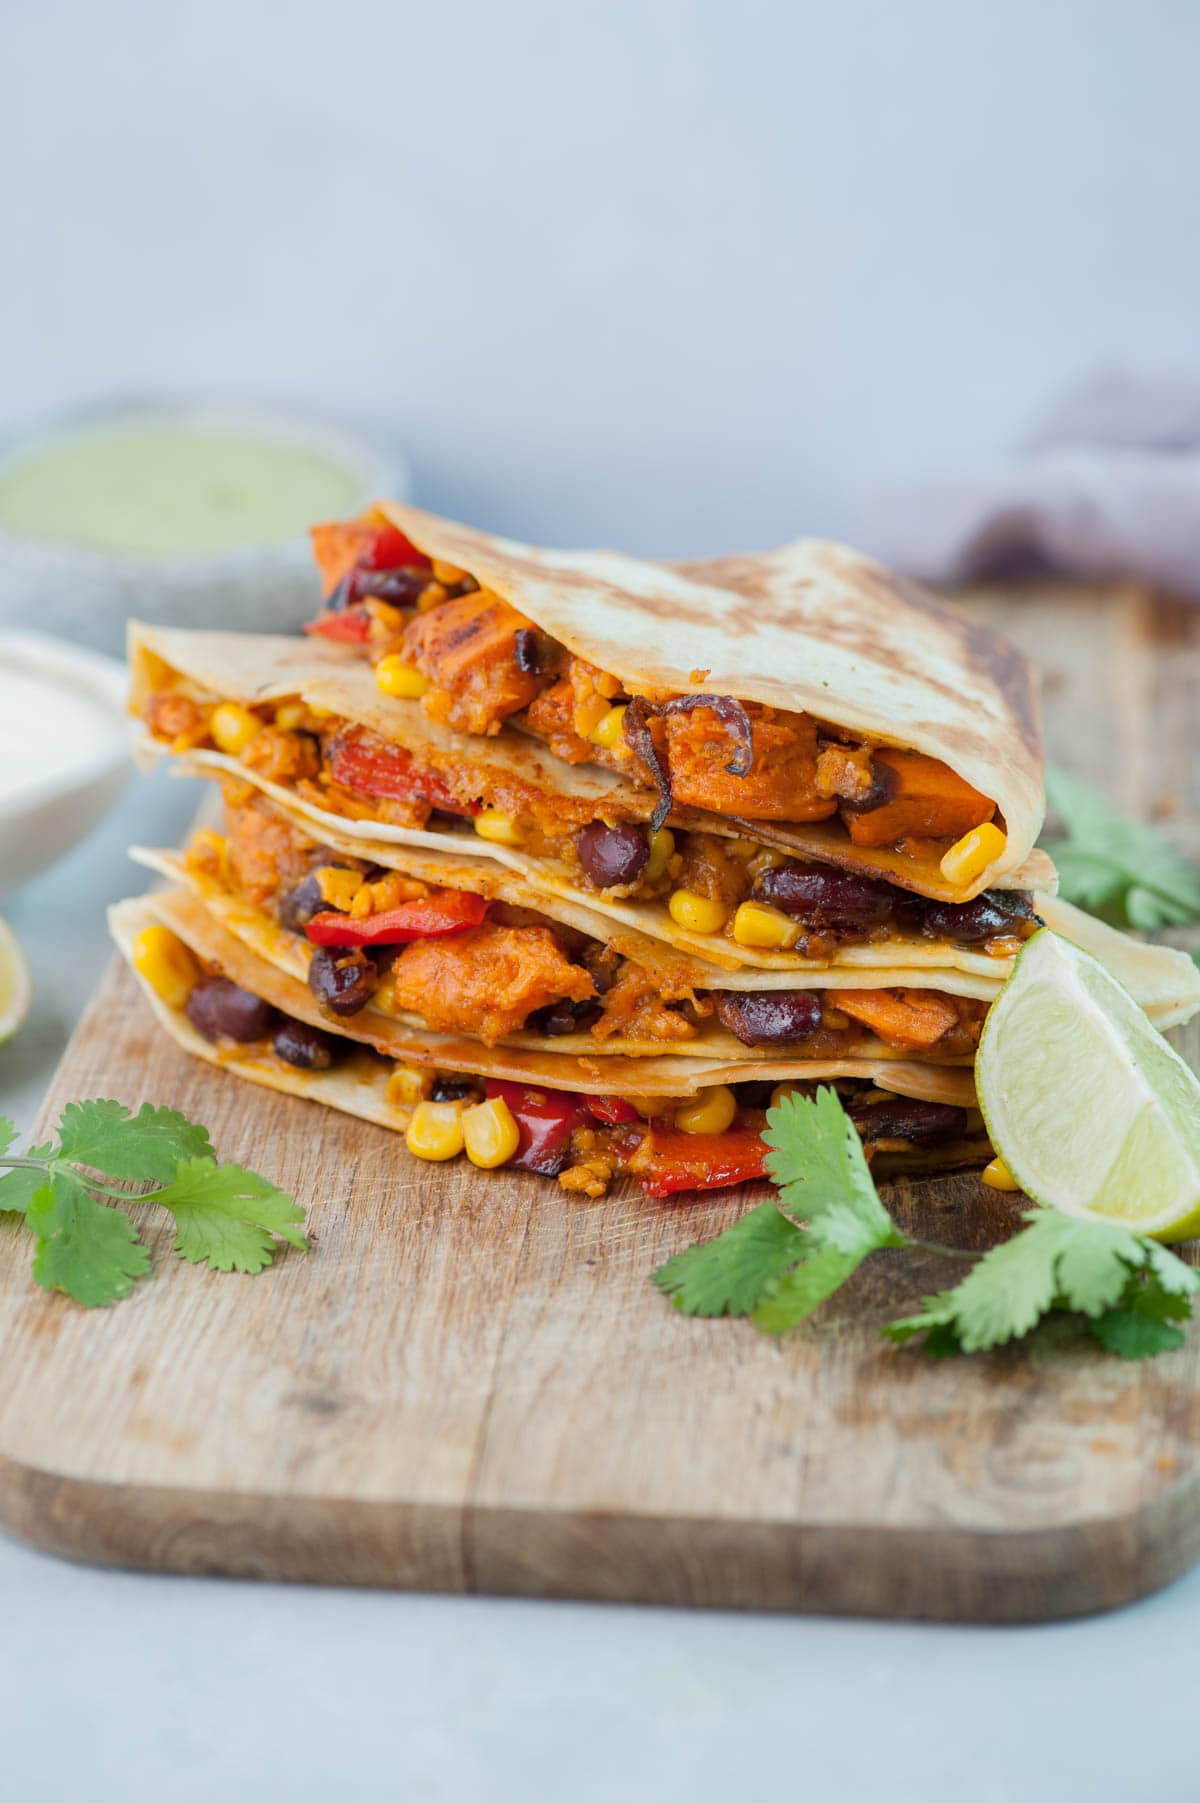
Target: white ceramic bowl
<point x="44" y="816"/>
<point x="87" y="593"/>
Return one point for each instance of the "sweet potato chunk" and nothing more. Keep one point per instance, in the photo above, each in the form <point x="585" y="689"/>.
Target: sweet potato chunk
<point x="486" y="981"/>
<point x="915" y="1018"/>
<point x="928" y="801"/>
<point x="467" y="648"/>
<point x="781" y="784"/>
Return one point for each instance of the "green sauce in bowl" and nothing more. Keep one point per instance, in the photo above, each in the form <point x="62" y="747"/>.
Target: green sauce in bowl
<point x="159" y="488"/>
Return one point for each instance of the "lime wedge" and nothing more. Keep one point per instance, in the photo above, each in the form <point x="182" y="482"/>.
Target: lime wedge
<point x="16" y="990"/>
<point x="1089" y="1107"/>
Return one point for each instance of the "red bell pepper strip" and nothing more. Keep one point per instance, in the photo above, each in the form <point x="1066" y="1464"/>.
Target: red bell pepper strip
<point x="340" y="546"/>
<point x="350" y="628"/>
<point x="614" y="1111"/>
<point x="375" y="767"/>
<point x="668" y="1161"/>
<point x="546" y="1119"/>
<point x="430" y="917"/>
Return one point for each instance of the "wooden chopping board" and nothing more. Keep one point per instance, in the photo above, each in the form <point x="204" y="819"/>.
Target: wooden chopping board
<point x="471" y="1385"/>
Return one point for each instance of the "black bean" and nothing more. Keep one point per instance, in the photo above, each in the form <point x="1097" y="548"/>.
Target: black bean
<point x="920" y="1123"/>
<point x="304" y="1046"/>
<point x="769" y="1016"/>
<point x="529" y="654"/>
<point x="611" y="854"/>
<point x="297" y="906"/>
<point x="219" y="1009"/>
<point x="453" y="1089"/>
<point x="343" y="978"/>
<point x="563" y="1017"/>
<point x="990" y="915"/>
<point x="401" y="587"/>
<point x="825" y="896"/>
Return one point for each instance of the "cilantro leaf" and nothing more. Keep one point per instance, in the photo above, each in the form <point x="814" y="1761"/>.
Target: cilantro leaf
<point x="19" y="1187"/>
<point x="135" y="1148"/>
<point x="86" y="1250"/>
<point x="1135" y="1336"/>
<point x="8" y="1133"/>
<point x="789" y="1299"/>
<point x="728" y="1275"/>
<point x="225" y="1216"/>
<point x="767" y="1265"/>
<point x="1094" y="1268"/>
<point x="1118" y="867"/>
<point x="817" y="1161"/>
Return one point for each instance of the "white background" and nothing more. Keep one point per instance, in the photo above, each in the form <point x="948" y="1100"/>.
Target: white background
<point x="681" y="277"/>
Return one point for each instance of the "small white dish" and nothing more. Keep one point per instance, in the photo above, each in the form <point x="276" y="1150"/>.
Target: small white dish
<point x="64" y="749"/>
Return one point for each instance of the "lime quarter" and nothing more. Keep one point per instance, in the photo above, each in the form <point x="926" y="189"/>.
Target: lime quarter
<point x="1089" y="1107"/>
<point x="16" y="990"/>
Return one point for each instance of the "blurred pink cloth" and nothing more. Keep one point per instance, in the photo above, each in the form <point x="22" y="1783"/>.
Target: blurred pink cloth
<point x="1108" y="486"/>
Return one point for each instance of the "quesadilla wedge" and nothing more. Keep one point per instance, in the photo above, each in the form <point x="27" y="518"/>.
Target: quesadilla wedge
<point x="804" y="687"/>
<point x="578" y="1119"/>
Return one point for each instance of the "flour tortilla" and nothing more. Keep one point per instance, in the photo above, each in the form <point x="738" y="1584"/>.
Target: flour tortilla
<point x="255" y="668"/>
<point x="661" y="1074"/>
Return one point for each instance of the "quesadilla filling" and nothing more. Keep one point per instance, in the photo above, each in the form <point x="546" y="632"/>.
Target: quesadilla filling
<point x="462" y="963"/>
<point x="713" y="884"/>
<point x="706" y="1142"/>
<point x="477" y="664"/>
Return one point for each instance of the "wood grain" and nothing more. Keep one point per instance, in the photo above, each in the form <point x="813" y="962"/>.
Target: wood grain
<point x="470" y="1385"/>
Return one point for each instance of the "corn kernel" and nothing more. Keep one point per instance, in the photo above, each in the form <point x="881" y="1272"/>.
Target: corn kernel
<point x="497" y="828"/>
<point x="490" y="1133"/>
<point x="607" y="733"/>
<point x="765" y="859"/>
<point x="662" y="846"/>
<point x="388" y="891"/>
<point x="786" y="1089"/>
<point x="998" y="1176"/>
<point x="408" y="1085"/>
<point x="696" y="913"/>
<point x="972" y="853"/>
<point x="167" y="964"/>
<point x="432" y="595"/>
<point x="233" y="727"/>
<point x="435" y="1131"/>
<point x="404" y="682"/>
<point x="711" y="1111"/>
<point x="384" y="999"/>
<point x="758" y="925"/>
<point x="589" y="713"/>
<point x="293" y="716"/>
<point x="447" y="573"/>
<point x="338" y="887"/>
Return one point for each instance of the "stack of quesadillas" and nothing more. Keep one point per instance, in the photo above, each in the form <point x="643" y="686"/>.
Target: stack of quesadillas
<point x="571" y="860"/>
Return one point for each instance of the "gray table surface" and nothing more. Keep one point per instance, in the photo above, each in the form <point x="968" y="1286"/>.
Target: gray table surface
<point x="114" y="1686"/>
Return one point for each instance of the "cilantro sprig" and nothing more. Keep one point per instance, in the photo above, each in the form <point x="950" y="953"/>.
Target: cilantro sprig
<point x="225" y="1217"/>
<point x="1121" y="869"/>
<point x="786" y="1257"/>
